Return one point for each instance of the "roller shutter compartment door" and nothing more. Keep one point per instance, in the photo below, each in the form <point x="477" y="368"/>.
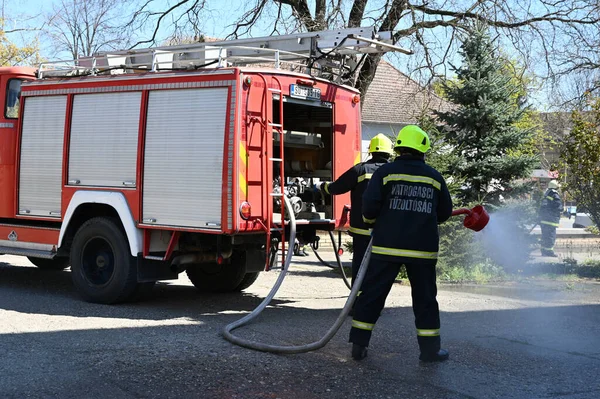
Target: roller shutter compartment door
<point x="40" y="168"/>
<point x="104" y="139"/>
<point x="183" y="161"/>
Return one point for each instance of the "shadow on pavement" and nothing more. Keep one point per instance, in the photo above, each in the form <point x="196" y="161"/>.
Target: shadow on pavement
<point x="511" y="341"/>
<point x="165" y="301"/>
<point x="541" y="352"/>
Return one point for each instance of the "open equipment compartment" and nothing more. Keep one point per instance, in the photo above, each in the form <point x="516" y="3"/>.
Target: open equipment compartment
<point x="308" y="155"/>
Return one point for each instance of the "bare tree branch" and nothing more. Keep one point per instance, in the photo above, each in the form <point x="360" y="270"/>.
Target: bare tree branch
<point x="356" y="13"/>
<point x="549" y="17"/>
<point x="249" y="19"/>
<point x="162" y="16"/>
<point x="9" y="31"/>
<point x="564" y="34"/>
<point x="83" y="27"/>
<point x="300" y="8"/>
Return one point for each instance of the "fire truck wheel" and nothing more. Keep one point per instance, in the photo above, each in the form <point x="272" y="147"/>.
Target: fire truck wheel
<point x="50" y="264"/>
<point x="247" y="281"/>
<point x="209" y="277"/>
<point x="102" y="268"/>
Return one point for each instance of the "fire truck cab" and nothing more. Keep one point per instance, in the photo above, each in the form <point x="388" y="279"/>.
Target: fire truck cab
<point x="11" y="79"/>
<point x="132" y="167"/>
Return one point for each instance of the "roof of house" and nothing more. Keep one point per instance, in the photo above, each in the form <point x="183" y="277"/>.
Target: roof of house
<point x="393" y="97"/>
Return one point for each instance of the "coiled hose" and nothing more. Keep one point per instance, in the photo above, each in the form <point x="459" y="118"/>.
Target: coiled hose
<point x="295" y="348"/>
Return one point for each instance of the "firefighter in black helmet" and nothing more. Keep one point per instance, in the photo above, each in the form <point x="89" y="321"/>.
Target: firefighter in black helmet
<point x="355" y="180"/>
<point x="405" y="201"/>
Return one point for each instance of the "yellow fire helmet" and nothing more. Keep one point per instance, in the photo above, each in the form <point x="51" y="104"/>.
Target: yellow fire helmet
<point x="553" y="184"/>
<point x="380" y="143"/>
<point x="412" y="136"/>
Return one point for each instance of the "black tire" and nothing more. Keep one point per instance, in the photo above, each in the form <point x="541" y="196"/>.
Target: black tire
<point x="247" y="281"/>
<point x="102" y="268"/>
<point x="211" y="277"/>
<point x="50" y="264"/>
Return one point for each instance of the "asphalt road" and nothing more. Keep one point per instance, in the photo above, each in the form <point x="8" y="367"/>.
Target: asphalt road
<point x="525" y="340"/>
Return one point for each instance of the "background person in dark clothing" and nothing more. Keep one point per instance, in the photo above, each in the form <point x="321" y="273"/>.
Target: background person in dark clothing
<point x="406" y="200"/>
<point x="550" y="210"/>
<point x="355" y="180"/>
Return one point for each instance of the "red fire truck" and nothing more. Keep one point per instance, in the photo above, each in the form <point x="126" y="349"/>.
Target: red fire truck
<point x="133" y="166"/>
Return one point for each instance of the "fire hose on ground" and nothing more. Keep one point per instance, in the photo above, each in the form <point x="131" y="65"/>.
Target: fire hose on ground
<point x="294" y="348"/>
<point x="337" y="259"/>
<point x="337" y="249"/>
<point x="476" y="219"/>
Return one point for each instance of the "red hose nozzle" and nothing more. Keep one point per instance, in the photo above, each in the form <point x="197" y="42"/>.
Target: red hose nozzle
<point x="476" y="219"/>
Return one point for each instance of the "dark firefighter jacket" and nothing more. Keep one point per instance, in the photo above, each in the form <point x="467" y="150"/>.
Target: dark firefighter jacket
<point x="550" y="208"/>
<point x="355" y="180"/>
<point x="406" y="200"/>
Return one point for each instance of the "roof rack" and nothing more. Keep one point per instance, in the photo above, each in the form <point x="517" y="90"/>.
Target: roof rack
<point x="331" y="54"/>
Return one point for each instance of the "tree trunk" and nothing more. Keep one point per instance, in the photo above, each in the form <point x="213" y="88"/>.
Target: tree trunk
<point x="367" y="73"/>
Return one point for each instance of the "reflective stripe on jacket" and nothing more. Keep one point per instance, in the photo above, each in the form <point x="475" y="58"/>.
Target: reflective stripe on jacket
<point x="406" y="199"/>
<point x="356" y="180"/>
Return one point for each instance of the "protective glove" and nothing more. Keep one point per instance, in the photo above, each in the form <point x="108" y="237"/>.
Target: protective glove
<point x="322" y="186"/>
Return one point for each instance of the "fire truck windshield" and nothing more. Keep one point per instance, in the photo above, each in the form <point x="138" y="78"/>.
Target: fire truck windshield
<point x="13" y="94"/>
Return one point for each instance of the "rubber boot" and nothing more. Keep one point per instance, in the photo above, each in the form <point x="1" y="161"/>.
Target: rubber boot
<point x="431" y="350"/>
<point x="359" y="352"/>
<point x="438" y="356"/>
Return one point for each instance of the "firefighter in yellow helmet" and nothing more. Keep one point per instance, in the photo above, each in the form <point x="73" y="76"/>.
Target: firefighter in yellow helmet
<point x="355" y="180"/>
<point x="404" y="201"/>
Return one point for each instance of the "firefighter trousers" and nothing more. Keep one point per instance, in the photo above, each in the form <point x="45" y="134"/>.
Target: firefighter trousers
<point x="375" y="289"/>
<point x="359" y="247"/>
<point x="548" y="238"/>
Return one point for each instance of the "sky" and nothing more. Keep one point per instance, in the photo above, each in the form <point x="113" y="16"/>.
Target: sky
<point x="30" y="14"/>
<point x="217" y="23"/>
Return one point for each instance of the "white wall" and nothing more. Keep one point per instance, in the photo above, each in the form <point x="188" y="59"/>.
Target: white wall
<point x="372" y="129"/>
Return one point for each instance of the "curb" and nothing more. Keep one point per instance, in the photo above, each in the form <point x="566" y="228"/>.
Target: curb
<point x="562" y="241"/>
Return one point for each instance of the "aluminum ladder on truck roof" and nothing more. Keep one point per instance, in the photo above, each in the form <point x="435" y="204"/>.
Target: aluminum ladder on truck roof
<point x="330" y="54"/>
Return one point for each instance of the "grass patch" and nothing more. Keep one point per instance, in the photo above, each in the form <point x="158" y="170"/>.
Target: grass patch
<point x="481" y="273"/>
<point x="568" y="270"/>
<point x="558" y="277"/>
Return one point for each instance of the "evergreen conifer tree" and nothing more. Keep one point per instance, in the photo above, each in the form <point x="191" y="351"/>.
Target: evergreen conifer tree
<point x="483" y="128"/>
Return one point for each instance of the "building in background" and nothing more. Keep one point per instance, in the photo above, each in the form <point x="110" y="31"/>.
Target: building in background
<point x="393" y="101"/>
